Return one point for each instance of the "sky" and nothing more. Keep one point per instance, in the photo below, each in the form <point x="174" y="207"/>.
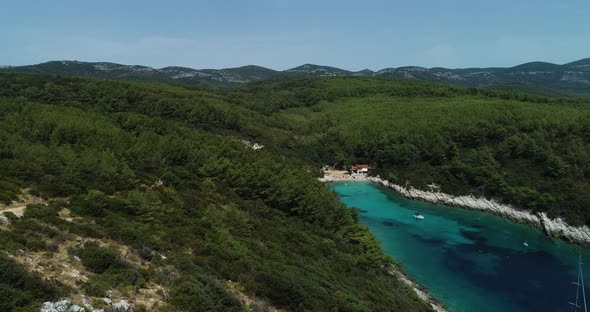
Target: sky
<point x="282" y="34"/>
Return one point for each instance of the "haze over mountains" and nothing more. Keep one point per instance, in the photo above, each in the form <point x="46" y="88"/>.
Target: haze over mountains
<point x="572" y="78"/>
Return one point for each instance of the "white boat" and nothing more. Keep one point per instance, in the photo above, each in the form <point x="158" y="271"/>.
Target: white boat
<point x="418" y="216"/>
<point x="526" y="244"/>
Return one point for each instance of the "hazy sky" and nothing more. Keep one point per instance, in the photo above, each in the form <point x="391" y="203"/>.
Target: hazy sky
<point x="281" y="34"/>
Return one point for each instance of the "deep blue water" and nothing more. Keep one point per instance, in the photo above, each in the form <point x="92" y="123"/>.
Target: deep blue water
<point x="470" y="261"/>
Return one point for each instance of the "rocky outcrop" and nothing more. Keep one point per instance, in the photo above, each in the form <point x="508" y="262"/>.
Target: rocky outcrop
<point x="61" y="306"/>
<point x="4" y="220"/>
<point x="65" y="305"/>
<point x="552" y="227"/>
<point x="122" y="306"/>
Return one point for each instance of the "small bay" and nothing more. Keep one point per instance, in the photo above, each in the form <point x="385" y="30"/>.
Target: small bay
<point x="469" y="260"/>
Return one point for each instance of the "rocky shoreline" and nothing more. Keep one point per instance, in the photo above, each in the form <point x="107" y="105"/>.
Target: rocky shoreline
<point x="552" y="227"/>
<point x="419" y="290"/>
<point x="436" y="305"/>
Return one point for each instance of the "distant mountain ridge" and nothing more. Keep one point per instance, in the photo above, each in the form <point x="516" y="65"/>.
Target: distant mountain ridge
<point x="573" y="78"/>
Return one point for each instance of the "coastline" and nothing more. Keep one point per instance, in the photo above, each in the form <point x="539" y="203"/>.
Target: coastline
<point x="344" y="178"/>
<point x="421" y="292"/>
<point x="556" y="228"/>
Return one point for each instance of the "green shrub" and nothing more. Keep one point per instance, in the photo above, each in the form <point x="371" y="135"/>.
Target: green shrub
<point x="203" y="294"/>
<point x="96" y="287"/>
<point x="8" y="242"/>
<point x="98" y="259"/>
<point x="20" y="288"/>
<point x="287" y="290"/>
<point x="10" y="298"/>
<point x="39" y="212"/>
<point x="6" y="198"/>
<point x="10" y="215"/>
<point x="86" y="207"/>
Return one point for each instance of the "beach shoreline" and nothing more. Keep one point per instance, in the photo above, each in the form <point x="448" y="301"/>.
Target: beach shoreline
<point x="342" y="176"/>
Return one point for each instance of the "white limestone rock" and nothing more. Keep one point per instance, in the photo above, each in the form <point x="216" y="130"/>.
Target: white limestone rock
<point x="4" y="220"/>
<point x="76" y="308"/>
<point x="121" y="306"/>
<point x="552" y="227"/>
<point x="58" y="306"/>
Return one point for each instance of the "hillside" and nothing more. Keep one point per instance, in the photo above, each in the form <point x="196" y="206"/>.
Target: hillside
<point x="539" y="77"/>
<point x="529" y="151"/>
<point x="133" y="191"/>
<point x="202" y="78"/>
<point x="143" y="197"/>
<point x="566" y="78"/>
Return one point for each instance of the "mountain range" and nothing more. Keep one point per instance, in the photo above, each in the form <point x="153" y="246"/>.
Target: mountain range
<point x="540" y="77"/>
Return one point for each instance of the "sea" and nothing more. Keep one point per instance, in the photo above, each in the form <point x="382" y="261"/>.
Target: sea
<point x="470" y="260"/>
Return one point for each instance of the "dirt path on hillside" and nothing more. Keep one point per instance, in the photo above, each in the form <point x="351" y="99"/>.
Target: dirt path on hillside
<point x="18" y="207"/>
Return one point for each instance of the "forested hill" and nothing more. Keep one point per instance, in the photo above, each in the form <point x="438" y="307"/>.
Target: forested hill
<point x="153" y="189"/>
<point x="146" y="194"/>
<point x="529" y="151"/>
<point x="534" y="77"/>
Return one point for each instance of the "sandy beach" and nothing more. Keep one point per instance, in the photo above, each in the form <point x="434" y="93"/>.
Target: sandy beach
<point x="342" y="175"/>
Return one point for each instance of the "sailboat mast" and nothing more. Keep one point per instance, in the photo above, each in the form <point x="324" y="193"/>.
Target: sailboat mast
<point x="581" y="278"/>
<point x="577" y="290"/>
<point x="580" y="284"/>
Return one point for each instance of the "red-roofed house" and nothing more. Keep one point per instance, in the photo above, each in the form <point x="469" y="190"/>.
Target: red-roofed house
<point x="362" y="168"/>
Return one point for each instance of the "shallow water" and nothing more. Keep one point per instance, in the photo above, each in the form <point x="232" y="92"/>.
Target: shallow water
<point x="470" y="261"/>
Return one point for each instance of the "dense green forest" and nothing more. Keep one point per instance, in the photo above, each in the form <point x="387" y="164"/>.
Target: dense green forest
<point x="162" y="170"/>
<point x="526" y="150"/>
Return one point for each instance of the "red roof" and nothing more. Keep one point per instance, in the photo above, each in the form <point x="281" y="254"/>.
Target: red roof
<point x="359" y="167"/>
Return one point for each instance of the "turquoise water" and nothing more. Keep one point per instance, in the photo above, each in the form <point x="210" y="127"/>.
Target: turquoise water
<point x="469" y="260"/>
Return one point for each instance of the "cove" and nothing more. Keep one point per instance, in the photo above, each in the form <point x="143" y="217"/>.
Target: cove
<point x="469" y="260"/>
